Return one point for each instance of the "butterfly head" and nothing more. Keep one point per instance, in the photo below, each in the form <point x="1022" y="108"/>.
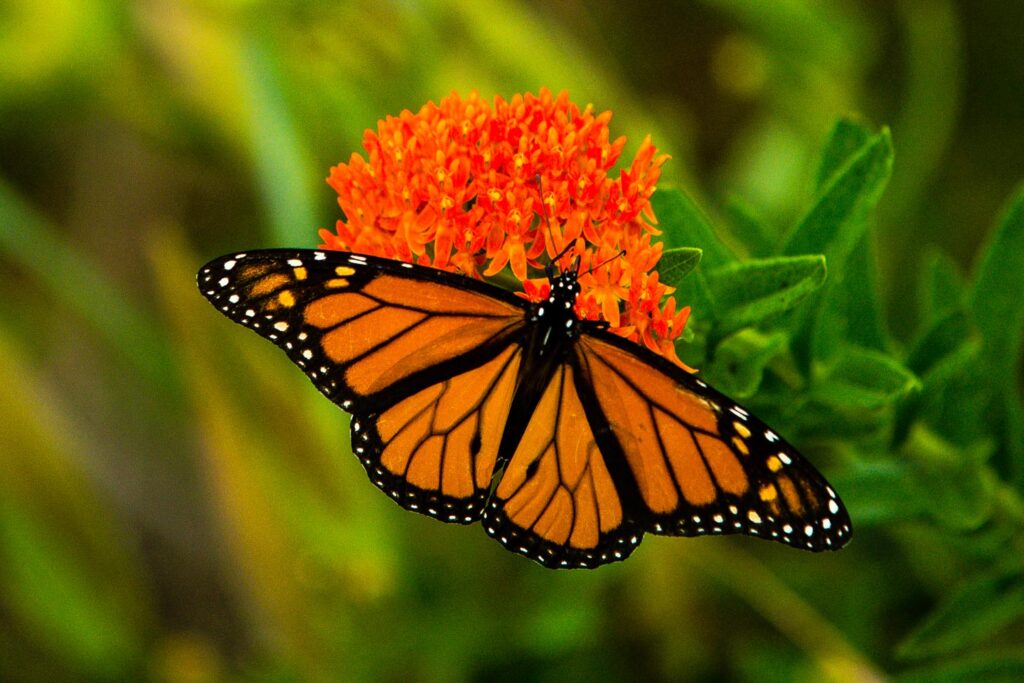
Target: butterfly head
<point x="564" y="285"/>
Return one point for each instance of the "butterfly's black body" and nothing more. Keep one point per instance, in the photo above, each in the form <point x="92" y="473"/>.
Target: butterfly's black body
<point x="273" y="292"/>
<point x="547" y="342"/>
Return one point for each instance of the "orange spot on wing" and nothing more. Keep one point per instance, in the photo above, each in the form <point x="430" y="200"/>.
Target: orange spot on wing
<point x="286" y="298"/>
<point x="268" y="285"/>
<point x="405" y="411"/>
<point x="790" y="495"/>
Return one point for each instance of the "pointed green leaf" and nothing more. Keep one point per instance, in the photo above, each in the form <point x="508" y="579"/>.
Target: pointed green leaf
<point x="675" y="264"/>
<point x="686" y="225"/>
<point x="863" y="378"/>
<point x="995" y="296"/>
<point x="939" y="356"/>
<point x="835" y="221"/>
<point x="950" y="401"/>
<point x="847" y="137"/>
<point x="834" y="225"/>
<point x="754" y="291"/>
<point x="860" y="290"/>
<point x="998" y="307"/>
<point x="983" y="604"/>
<point x="942" y="285"/>
<point x="942" y="338"/>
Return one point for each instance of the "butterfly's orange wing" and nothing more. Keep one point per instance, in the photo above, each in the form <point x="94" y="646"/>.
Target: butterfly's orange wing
<point x="426" y="361"/>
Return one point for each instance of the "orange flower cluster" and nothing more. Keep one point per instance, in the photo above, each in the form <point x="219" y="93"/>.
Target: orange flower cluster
<point x="469" y="187"/>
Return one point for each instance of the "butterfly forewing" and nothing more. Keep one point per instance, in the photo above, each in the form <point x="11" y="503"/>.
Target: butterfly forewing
<point x="425" y="361"/>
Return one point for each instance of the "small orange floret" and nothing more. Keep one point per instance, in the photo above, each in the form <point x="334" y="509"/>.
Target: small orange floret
<point x="455" y="186"/>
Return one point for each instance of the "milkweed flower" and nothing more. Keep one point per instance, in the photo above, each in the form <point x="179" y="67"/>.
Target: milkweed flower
<point x="469" y="186"/>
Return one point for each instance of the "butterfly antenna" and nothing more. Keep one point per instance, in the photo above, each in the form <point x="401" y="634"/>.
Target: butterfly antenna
<point x="622" y="252"/>
<point x="547" y="217"/>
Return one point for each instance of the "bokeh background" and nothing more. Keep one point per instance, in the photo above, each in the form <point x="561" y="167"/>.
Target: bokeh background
<point x="178" y="504"/>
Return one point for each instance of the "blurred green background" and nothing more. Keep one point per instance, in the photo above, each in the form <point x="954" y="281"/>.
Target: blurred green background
<point x="177" y="503"/>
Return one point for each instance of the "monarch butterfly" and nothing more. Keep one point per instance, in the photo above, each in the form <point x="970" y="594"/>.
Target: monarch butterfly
<point x="470" y="404"/>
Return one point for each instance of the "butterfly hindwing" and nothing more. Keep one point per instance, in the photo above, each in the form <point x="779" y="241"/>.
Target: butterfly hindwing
<point x="435" y="451"/>
<point x="557" y="501"/>
<point x="701" y="463"/>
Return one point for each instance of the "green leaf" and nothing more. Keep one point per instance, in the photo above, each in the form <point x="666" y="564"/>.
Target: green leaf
<point x="877" y="492"/>
<point x="675" y="264"/>
<point x="995" y="296"/>
<point x="754" y="291"/>
<point x="740" y="360"/>
<point x="940" y="355"/>
<point x="943" y="337"/>
<point x="931" y="479"/>
<point x="942" y="285"/>
<point x="863" y="378"/>
<point x="979" y="608"/>
<point x="949" y="401"/>
<point x="847" y="137"/>
<point x="991" y="667"/>
<point x="750" y="228"/>
<point x="685" y="225"/>
<point x="955" y="485"/>
<point x="834" y="223"/>
<point x="861" y="304"/>
<point x="998" y="307"/>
